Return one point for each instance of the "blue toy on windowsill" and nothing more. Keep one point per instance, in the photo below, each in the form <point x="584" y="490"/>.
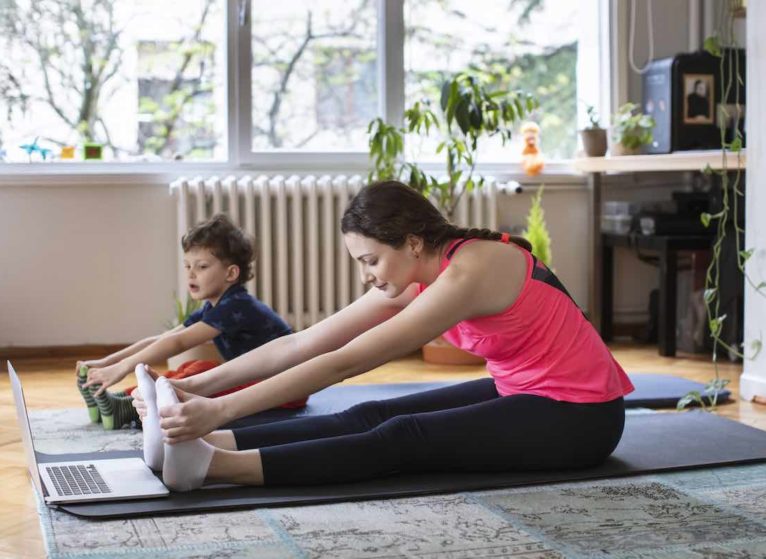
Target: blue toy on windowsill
<point x="34" y="147"/>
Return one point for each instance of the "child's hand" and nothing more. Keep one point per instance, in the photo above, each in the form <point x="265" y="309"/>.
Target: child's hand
<point x="91" y="364"/>
<point x="106" y="377"/>
<point x="193" y="417"/>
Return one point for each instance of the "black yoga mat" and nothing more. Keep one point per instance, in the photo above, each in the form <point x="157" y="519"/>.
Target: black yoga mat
<point x="651" y="443"/>
<point x="652" y="391"/>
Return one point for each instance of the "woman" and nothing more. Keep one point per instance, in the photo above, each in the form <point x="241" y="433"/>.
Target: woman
<point x="555" y="399"/>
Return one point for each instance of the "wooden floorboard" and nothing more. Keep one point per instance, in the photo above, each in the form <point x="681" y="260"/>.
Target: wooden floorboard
<point x="49" y="383"/>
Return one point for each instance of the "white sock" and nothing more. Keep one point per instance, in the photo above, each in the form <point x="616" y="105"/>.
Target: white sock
<point x="153" y="449"/>
<point x="186" y="464"/>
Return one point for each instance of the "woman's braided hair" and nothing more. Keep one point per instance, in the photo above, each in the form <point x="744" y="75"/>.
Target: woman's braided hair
<point x="388" y="211"/>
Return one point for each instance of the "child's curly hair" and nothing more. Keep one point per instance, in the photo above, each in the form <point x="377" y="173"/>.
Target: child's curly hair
<point x="226" y="241"/>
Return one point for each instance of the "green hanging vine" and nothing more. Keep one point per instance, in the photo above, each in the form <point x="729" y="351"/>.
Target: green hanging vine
<point x="723" y="45"/>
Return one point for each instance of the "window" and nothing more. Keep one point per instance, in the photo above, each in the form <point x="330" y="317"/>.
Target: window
<point x="287" y="83"/>
<point x="519" y="44"/>
<point x="140" y="80"/>
<point x="314" y="74"/>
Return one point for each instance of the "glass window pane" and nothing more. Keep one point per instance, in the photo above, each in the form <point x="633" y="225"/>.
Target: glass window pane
<point x="120" y="81"/>
<point x="521" y="44"/>
<point x="314" y="77"/>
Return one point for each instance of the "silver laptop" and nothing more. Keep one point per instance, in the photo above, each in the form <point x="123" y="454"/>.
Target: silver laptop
<point x="83" y="481"/>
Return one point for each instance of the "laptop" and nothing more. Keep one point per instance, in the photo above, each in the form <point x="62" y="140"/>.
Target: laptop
<point x="83" y="481"/>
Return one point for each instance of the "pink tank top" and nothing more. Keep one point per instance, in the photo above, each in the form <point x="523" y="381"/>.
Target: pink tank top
<point x="542" y="344"/>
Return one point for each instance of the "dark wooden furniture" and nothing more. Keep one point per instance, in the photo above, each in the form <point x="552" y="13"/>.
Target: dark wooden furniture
<point x="667" y="248"/>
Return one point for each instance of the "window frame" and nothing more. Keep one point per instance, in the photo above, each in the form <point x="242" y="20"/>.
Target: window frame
<point x="239" y="115"/>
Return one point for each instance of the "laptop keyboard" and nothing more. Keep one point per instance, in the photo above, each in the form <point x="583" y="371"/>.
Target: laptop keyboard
<point x="77" y="479"/>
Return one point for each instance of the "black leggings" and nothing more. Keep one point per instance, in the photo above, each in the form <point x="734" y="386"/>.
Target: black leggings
<point x="467" y="427"/>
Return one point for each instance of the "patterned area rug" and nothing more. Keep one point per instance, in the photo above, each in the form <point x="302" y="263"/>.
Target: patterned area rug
<point x="714" y="513"/>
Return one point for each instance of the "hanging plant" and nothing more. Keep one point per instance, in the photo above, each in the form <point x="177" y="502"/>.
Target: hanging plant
<point x="723" y="46"/>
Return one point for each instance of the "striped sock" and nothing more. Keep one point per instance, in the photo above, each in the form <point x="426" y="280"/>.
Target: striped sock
<point x="116" y="411"/>
<point x="82" y="378"/>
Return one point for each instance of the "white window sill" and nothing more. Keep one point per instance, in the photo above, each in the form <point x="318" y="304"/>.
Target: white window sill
<point x="98" y="173"/>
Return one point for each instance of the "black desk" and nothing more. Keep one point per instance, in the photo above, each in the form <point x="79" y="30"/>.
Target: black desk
<point x="668" y="248"/>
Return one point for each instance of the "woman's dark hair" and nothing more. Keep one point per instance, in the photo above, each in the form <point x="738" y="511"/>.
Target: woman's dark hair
<point x="226" y="241"/>
<point x="388" y="211"/>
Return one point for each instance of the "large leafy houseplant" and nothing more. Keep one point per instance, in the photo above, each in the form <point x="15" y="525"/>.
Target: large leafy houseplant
<point x="467" y="111"/>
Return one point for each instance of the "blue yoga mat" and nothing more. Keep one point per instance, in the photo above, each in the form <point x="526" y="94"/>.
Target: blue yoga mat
<point x="652" y="391"/>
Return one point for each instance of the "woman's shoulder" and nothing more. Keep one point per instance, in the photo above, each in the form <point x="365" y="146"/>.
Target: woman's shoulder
<point x="496" y="270"/>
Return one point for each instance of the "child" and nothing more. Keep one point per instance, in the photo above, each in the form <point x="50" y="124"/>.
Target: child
<point x="218" y="260"/>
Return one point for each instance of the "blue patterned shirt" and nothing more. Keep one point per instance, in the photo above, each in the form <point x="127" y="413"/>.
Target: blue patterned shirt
<point x="243" y="321"/>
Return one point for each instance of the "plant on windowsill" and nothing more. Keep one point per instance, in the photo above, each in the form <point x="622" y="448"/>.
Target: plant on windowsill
<point x="203" y="352"/>
<point x="631" y="130"/>
<point x="593" y="136"/>
<point x="468" y="111"/>
<point x="723" y="46"/>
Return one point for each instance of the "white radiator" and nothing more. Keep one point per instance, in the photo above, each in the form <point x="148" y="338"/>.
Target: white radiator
<point x="302" y="268"/>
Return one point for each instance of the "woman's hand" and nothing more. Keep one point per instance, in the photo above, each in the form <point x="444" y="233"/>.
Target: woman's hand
<point x="106" y="377"/>
<point x="138" y="400"/>
<point x="193" y="417"/>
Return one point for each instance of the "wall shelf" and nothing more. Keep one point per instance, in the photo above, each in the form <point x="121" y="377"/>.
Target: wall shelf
<point x="676" y="161"/>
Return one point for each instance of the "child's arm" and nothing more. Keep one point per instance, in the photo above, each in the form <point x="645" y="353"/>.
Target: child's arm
<point x="118" y="356"/>
<point x="287" y="351"/>
<point x="166" y="345"/>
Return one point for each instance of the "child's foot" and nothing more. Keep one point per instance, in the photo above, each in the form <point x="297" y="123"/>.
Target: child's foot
<point x="116" y="411"/>
<point x="153" y="448"/>
<point x="82" y="378"/>
<point x="186" y="464"/>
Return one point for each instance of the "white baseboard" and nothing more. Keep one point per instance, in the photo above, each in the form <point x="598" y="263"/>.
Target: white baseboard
<point x="752" y="385"/>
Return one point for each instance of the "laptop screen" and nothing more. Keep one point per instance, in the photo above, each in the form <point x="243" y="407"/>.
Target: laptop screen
<point x="26" y="432"/>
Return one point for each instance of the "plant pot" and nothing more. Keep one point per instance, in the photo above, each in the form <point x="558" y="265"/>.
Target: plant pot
<point x="618" y="149"/>
<point x="203" y="352"/>
<point x="594" y="141"/>
<point x="441" y="352"/>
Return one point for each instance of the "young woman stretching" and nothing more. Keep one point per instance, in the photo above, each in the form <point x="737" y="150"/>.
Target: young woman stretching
<point x="554" y="399"/>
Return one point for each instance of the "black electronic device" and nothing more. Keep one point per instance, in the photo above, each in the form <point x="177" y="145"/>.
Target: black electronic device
<point x="683" y="94"/>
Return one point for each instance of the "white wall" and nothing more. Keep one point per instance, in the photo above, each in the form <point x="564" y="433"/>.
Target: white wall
<point x="753" y="380"/>
<point x="96" y="263"/>
<point x="85" y="264"/>
<point x="670" y="20"/>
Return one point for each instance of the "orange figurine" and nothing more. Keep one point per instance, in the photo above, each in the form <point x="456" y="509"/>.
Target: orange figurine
<point x="531" y="158"/>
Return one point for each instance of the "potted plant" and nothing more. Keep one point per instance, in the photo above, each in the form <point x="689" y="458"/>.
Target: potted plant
<point x="467" y="112"/>
<point x="631" y="129"/>
<point x="203" y="352"/>
<point x="593" y="136"/>
<point x="537" y="230"/>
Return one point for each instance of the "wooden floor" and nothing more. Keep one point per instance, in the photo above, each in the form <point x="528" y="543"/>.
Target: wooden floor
<point x="49" y="383"/>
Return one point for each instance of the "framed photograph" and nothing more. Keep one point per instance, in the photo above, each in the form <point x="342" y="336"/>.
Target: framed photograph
<point x="698" y="98"/>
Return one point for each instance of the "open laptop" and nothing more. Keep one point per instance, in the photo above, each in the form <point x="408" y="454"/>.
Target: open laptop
<point x="83" y="481"/>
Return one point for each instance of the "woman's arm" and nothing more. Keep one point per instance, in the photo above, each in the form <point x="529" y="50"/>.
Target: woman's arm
<point x="459" y="293"/>
<point x="285" y="352"/>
